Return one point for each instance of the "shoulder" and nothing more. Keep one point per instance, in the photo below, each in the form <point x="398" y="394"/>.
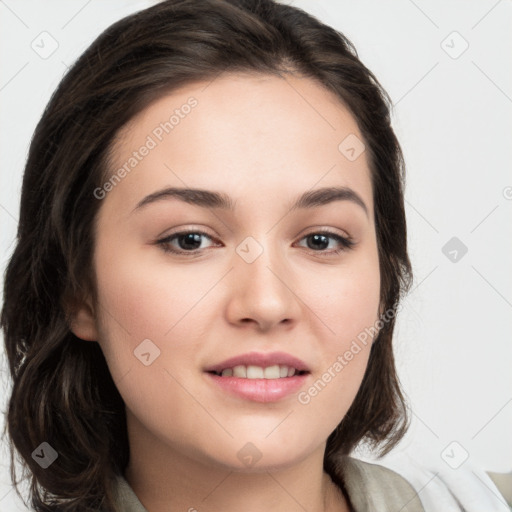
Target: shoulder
<point x="126" y="498"/>
<point x="468" y="488"/>
<point x="372" y="487"/>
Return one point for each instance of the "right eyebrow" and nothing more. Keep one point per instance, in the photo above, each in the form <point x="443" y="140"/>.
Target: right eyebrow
<point x="195" y="196"/>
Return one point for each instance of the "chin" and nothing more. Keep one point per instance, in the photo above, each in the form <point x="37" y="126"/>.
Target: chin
<point x="262" y="456"/>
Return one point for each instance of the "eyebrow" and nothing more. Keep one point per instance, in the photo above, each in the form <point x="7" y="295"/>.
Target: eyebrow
<point x="219" y="200"/>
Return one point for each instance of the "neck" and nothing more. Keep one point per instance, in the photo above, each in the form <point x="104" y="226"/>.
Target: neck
<point x="190" y="485"/>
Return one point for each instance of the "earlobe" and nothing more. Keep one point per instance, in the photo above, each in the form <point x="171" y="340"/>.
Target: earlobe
<point x="82" y="322"/>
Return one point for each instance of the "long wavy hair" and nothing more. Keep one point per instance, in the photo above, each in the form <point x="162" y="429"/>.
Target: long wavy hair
<point x="62" y="391"/>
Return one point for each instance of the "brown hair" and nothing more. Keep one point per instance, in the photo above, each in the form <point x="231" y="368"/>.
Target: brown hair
<point x="63" y="393"/>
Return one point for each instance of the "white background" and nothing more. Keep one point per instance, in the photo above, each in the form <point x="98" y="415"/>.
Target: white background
<point x="453" y="117"/>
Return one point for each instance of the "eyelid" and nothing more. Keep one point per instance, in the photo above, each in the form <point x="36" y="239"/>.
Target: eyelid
<point x="319" y="230"/>
<point x="186" y="229"/>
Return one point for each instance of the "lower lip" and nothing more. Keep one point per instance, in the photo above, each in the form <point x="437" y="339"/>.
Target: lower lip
<point x="260" y="390"/>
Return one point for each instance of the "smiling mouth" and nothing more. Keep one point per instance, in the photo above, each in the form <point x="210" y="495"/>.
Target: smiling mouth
<point x="258" y="372"/>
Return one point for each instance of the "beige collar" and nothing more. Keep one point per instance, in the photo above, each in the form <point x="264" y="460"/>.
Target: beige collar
<point x="370" y="487"/>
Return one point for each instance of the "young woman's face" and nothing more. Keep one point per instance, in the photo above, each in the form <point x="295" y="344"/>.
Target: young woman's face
<point x="253" y="279"/>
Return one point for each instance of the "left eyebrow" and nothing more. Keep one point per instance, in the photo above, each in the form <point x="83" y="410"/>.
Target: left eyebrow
<point x="326" y="195"/>
<point x="211" y="199"/>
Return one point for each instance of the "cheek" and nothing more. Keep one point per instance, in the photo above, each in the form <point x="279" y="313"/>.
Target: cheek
<point x="140" y="300"/>
<point x="347" y="304"/>
<point x="137" y="304"/>
<point x="345" y="299"/>
<point x="130" y="308"/>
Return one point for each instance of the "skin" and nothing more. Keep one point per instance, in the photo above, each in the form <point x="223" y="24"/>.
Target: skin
<point x="263" y="140"/>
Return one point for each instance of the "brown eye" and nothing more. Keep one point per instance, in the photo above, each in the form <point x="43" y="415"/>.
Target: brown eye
<point x="319" y="242"/>
<point x="187" y="242"/>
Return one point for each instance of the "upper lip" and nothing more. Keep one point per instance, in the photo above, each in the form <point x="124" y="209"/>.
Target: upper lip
<point x="260" y="359"/>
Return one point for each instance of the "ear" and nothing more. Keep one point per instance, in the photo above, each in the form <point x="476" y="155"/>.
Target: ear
<point x="82" y="321"/>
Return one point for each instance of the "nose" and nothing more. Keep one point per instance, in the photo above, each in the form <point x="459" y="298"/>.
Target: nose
<point x="263" y="292"/>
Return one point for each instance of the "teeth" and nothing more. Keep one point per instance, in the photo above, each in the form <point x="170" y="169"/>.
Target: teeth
<point x="272" y="372"/>
<point x="254" y="372"/>
<point x="240" y="371"/>
<point x="257" y="372"/>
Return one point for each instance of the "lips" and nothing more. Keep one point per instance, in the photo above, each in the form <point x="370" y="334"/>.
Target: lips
<point x="259" y="377"/>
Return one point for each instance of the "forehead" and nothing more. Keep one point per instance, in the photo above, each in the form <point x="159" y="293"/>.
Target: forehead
<point x="243" y="134"/>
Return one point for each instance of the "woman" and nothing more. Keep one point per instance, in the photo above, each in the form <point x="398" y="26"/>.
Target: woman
<point x="211" y="253"/>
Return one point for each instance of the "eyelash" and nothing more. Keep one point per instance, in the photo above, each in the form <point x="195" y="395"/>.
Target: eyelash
<point x="346" y="243"/>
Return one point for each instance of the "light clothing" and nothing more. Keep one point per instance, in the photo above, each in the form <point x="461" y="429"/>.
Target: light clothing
<point x="466" y="488"/>
<point x="370" y="487"/>
<point x="396" y="483"/>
